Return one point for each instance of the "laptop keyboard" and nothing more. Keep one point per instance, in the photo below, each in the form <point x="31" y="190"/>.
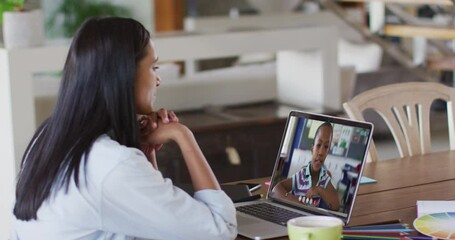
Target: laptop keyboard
<point x="269" y="212"/>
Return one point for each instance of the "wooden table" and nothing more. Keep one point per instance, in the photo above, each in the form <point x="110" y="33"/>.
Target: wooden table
<point x="401" y="182"/>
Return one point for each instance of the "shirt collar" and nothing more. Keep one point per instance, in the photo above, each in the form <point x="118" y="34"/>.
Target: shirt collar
<point x="321" y="173"/>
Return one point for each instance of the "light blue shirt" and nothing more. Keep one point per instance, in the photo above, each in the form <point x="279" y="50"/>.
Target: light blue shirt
<point x="124" y="197"/>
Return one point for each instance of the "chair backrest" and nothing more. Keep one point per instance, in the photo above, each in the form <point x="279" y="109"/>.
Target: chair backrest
<point x="405" y="108"/>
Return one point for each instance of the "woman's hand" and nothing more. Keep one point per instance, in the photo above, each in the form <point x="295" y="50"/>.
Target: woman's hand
<point x="200" y="172"/>
<point x="150" y="122"/>
<point x="147" y="124"/>
<point x="164" y="131"/>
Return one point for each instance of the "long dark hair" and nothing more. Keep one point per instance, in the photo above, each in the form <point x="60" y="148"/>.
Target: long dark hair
<point x="96" y="97"/>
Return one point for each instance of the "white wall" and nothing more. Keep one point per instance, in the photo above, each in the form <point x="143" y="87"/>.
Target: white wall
<point x="7" y="165"/>
<point x="141" y="10"/>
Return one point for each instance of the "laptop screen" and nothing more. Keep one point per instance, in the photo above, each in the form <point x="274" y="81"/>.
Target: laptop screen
<point x="319" y="163"/>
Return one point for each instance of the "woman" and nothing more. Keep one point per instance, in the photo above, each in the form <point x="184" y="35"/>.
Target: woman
<point x="313" y="182"/>
<point x="83" y="175"/>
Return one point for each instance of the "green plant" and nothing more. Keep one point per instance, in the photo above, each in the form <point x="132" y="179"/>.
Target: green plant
<point x="74" y="12"/>
<point x="343" y="143"/>
<point x="10" y="5"/>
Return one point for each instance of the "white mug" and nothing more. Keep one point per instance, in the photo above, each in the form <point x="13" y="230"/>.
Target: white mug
<point x="315" y="228"/>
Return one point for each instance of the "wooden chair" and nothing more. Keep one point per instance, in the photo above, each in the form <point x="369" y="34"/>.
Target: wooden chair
<point x="405" y="108"/>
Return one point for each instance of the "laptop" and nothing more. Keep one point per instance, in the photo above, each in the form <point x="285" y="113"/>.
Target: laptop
<point x="316" y="150"/>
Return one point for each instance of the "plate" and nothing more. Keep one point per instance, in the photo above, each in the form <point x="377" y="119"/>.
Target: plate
<point x="437" y="225"/>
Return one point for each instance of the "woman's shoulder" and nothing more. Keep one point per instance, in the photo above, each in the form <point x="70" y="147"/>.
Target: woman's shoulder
<point x="106" y="146"/>
<point x="106" y="154"/>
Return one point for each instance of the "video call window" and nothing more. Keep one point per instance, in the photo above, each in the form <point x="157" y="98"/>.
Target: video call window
<point x="340" y="151"/>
